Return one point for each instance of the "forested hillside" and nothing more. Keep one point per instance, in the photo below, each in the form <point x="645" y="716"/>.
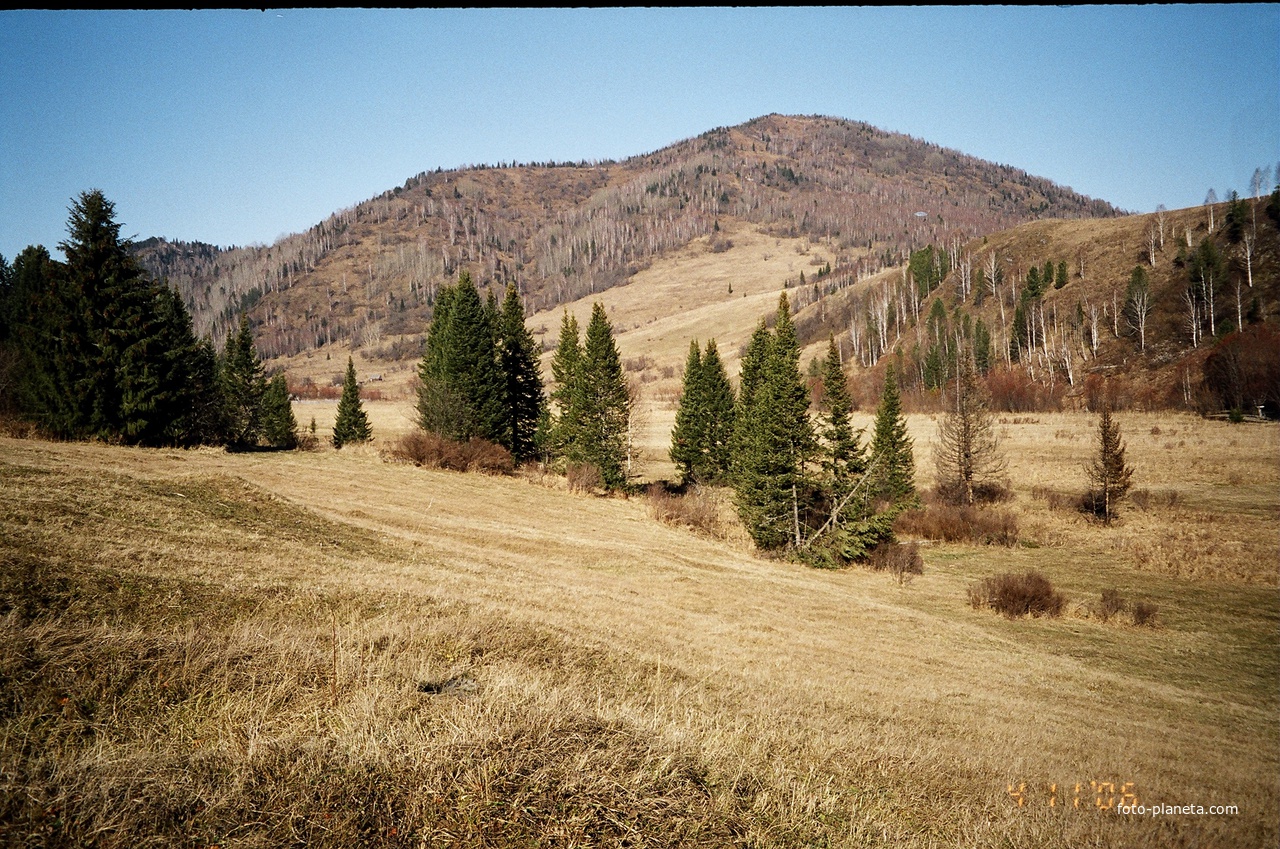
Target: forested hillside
<point x="1147" y="305"/>
<point x="562" y="231"/>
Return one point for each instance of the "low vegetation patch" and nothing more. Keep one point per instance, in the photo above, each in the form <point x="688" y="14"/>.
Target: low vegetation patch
<point x="433" y="451"/>
<point x="1016" y="595"/>
<point x="901" y="560"/>
<point x="584" y="477"/>
<point x="950" y="523"/>
<point x="695" y="509"/>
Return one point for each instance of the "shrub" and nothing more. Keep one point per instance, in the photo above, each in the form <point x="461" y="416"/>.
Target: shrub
<point x="433" y="451"/>
<point x="584" y="477"/>
<point x="1028" y="594"/>
<point x="1144" y="613"/>
<point x="695" y="510"/>
<point x="950" y="523"/>
<point x="1054" y="499"/>
<point x="1111" y="604"/>
<point x="902" y="560"/>
<point x="986" y="492"/>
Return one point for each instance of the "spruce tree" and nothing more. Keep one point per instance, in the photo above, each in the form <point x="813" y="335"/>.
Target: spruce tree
<point x="518" y="354"/>
<point x="124" y="341"/>
<point x="776" y="440"/>
<point x="606" y="401"/>
<point x="968" y="461"/>
<point x="45" y="330"/>
<point x="351" y="425"/>
<point x="843" y="462"/>
<point x="750" y="375"/>
<point x="893" y="463"/>
<point x="688" y="437"/>
<point x="1108" y="475"/>
<point x="243" y="383"/>
<point x="279" y="428"/>
<point x="566" y="370"/>
<point x="462" y="392"/>
<point x="719" y="405"/>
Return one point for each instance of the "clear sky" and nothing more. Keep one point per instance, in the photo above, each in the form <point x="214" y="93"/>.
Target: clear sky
<point x="238" y="127"/>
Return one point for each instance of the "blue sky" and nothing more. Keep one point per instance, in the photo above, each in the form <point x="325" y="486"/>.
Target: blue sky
<point x="238" y="127"/>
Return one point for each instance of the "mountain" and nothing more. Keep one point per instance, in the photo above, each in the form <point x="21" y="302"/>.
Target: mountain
<point x="563" y="231"/>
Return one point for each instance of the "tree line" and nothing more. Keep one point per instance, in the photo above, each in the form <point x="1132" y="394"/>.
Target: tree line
<point x="96" y="348"/>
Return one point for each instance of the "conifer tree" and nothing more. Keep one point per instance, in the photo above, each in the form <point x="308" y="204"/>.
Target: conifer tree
<point x="688" y="437"/>
<point x="351" y="425"/>
<point x="843" y="462"/>
<point x="893" y="474"/>
<point x="243" y="384"/>
<point x="566" y="370"/>
<point x="518" y="355"/>
<point x="462" y="392"/>
<point x="776" y="442"/>
<point x="967" y="459"/>
<point x="719" y="404"/>
<point x="751" y="374"/>
<point x="606" y="401"/>
<point x="279" y="428"/>
<point x="1108" y="475"/>
<point x="46" y="327"/>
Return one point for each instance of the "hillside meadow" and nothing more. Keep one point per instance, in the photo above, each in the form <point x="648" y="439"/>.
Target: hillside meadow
<point x="330" y="648"/>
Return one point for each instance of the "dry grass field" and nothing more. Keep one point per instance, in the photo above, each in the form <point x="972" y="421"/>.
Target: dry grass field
<point x="328" y="648"/>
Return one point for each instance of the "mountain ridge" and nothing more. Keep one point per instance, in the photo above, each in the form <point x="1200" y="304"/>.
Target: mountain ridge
<point x="562" y="231"/>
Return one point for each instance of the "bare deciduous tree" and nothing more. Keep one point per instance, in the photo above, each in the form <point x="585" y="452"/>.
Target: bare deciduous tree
<point x="1138" y="305"/>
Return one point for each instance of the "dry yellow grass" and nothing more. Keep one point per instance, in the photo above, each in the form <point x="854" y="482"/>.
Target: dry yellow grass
<point x="610" y="678"/>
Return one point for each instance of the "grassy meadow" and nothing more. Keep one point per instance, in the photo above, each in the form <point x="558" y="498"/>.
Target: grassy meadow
<point x="330" y="648"/>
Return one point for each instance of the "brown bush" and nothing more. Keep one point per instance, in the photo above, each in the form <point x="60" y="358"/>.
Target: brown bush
<point x="584" y="477"/>
<point x="1028" y="594"/>
<point x="949" y="523"/>
<point x="1144" y="613"/>
<point x="695" y="510"/>
<point x="1111" y="604"/>
<point x="902" y="560"/>
<point x="433" y="451"/>
<point x="986" y="492"/>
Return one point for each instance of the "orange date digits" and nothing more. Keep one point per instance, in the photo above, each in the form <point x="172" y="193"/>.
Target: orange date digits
<point x="1128" y="798"/>
<point x="1101" y="787"/>
<point x="1019" y="795"/>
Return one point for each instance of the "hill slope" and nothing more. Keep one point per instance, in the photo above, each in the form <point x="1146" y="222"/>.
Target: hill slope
<point x="203" y="647"/>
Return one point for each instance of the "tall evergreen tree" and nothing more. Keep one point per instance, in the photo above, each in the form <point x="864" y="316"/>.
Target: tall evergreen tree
<point x="1108" y="475"/>
<point x="187" y="400"/>
<point x="777" y="440"/>
<point x="243" y="383"/>
<point x="893" y="473"/>
<point x="351" y="425"/>
<point x="462" y="392"/>
<point x="606" y="401"/>
<point x="688" y="437"/>
<point x="45" y="329"/>
<point x="719" y="404"/>
<point x="566" y="370"/>
<point x="518" y="355"/>
<point x="279" y="427"/>
<point x="115" y="330"/>
<point x="844" y="461"/>
<point x="967" y="458"/>
<point x="750" y="376"/>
